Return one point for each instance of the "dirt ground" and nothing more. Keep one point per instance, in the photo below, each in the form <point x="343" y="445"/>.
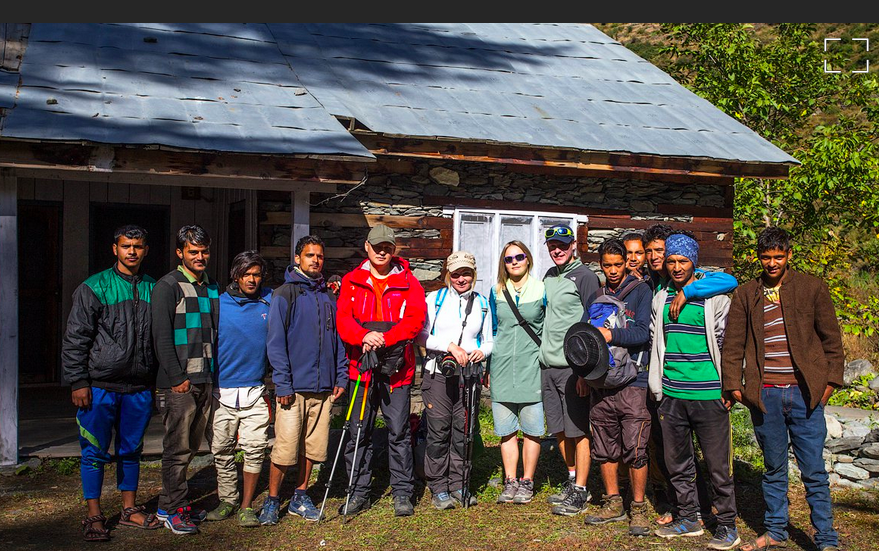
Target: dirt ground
<point x="42" y="510"/>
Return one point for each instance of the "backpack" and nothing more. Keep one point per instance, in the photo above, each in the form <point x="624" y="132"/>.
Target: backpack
<point x="610" y="312"/>
<point x="290" y="291"/>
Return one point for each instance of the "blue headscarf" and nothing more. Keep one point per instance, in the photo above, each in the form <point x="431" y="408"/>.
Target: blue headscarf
<point x="680" y="244"/>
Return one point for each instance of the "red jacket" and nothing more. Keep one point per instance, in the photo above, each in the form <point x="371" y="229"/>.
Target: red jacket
<point x="403" y="296"/>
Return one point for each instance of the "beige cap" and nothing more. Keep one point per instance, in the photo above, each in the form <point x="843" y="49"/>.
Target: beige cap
<point x="460" y="259"/>
<point x="381" y="234"/>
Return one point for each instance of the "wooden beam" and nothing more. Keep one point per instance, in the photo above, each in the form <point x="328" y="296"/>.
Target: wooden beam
<point x="13" y="39"/>
<point x="8" y="318"/>
<point x="447" y="201"/>
<point x="329" y="219"/>
<point x="596" y="161"/>
<point x="256" y="171"/>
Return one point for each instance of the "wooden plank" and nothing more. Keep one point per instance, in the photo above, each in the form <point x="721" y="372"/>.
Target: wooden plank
<point x="13" y="37"/>
<point x="139" y="194"/>
<point x="300" y="223"/>
<point x="48" y="190"/>
<point x="624" y="222"/>
<point x="181" y="213"/>
<point x="635" y="176"/>
<point x="98" y="192"/>
<point x="328" y="219"/>
<point x="447" y="201"/>
<point x="160" y="195"/>
<point x="203" y="215"/>
<point x="118" y="193"/>
<point x="8" y="318"/>
<point x="74" y="241"/>
<point x="25" y="189"/>
<point x="694" y="210"/>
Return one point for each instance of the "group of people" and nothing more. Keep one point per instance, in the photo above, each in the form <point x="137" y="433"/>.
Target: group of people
<point x="674" y="353"/>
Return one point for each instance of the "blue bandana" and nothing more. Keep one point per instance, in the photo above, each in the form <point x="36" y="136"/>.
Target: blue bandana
<point x="680" y="244"/>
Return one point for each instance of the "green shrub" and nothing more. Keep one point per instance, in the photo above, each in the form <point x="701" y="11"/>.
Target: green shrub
<point x="854" y="398"/>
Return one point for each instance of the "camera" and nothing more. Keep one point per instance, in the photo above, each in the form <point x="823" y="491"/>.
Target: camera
<point x="449" y="366"/>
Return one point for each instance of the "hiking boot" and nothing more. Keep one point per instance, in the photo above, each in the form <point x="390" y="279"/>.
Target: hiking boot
<point x="403" y="506"/>
<point x="511" y="485"/>
<point x="303" y="507"/>
<point x="611" y="511"/>
<point x="356" y="504"/>
<point x="681" y="527"/>
<point x="223" y="511"/>
<point x="574" y="503"/>
<point x="458" y="496"/>
<point x="270" y="509"/>
<point x="639" y="522"/>
<point x="525" y="491"/>
<point x="442" y="501"/>
<point x="726" y="537"/>
<point x="247" y="518"/>
<point x="180" y="523"/>
<point x="559" y="497"/>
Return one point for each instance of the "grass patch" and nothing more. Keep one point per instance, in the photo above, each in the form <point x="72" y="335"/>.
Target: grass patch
<point x="64" y="466"/>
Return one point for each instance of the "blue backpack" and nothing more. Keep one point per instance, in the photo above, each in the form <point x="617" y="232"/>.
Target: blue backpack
<point x="610" y="312"/>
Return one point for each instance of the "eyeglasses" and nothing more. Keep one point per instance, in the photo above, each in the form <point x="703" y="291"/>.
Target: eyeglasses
<point x="518" y="258"/>
<point x="557" y="231"/>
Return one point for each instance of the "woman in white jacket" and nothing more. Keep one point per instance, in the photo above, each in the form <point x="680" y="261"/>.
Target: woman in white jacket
<point x="459" y="329"/>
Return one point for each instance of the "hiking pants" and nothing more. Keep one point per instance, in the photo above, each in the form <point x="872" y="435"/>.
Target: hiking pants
<point x="709" y="421"/>
<point x="128" y="414"/>
<point x="395" y="411"/>
<point x="185" y="416"/>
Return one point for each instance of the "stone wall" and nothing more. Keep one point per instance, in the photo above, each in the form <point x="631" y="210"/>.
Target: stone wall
<point x="851" y="451"/>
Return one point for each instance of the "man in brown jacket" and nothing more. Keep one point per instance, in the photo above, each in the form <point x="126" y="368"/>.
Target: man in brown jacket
<point x="783" y="357"/>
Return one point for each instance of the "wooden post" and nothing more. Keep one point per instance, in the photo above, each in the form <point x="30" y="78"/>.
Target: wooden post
<point x="8" y="318"/>
<point x="300" y="226"/>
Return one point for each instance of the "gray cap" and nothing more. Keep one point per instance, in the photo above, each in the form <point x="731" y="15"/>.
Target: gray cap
<point x="381" y="234"/>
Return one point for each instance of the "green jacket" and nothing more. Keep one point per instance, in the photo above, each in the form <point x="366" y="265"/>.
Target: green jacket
<point x="570" y="289"/>
<point x="514" y="361"/>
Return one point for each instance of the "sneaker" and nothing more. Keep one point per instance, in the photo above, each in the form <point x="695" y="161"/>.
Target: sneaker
<point x="403" y="506"/>
<point x="559" y="497"/>
<point x="639" y="522"/>
<point x="268" y="515"/>
<point x="682" y="527"/>
<point x="574" y="503"/>
<point x="222" y="512"/>
<point x="611" y="511"/>
<point x="458" y="495"/>
<point x="196" y="515"/>
<point x="356" y="505"/>
<point x="180" y="523"/>
<point x="726" y="537"/>
<point x="303" y="507"/>
<point x="524" y="492"/>
<point x="161" y="514"/>
<point x="442" y="501"/>
<point x="511" y="486"/>
<point x="247" y="518"/>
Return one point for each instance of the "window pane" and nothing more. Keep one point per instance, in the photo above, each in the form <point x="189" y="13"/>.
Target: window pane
<point x="542" y="260"/>
<point x="476" y="237"/>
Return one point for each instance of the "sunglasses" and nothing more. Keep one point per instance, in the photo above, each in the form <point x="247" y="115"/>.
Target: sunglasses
<point x="459" y="275"/>
<point x="560" y="232"/>
<point x="517" y="257"/>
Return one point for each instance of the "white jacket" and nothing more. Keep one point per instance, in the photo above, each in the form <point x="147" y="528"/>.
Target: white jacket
<point x="445" y="316"/>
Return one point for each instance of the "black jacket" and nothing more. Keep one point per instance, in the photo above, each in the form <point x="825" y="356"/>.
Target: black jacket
<point x="108" y="343"/>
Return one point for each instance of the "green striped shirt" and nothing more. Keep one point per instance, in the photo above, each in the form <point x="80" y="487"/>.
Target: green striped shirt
<point x="688" y="371"/>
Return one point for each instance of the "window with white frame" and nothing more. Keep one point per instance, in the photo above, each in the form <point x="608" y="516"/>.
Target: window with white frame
<point x="484" y="232"/>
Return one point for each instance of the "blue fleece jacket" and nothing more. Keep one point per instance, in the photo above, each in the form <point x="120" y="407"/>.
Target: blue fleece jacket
<point x="241" y="339"/>
<point x="310" y="356"/>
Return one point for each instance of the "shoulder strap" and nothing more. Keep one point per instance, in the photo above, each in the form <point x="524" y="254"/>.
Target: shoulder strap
<point x="437" y="304"/>
<point x="289" y="292"/>
<point x="519" y="318"/>
<point x="629" y="288"/>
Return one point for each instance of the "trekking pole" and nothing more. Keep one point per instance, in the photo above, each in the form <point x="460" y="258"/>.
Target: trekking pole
<point x="359" y="426"/>
<point x="467" y="394"/>
<point x="339" y="449"/>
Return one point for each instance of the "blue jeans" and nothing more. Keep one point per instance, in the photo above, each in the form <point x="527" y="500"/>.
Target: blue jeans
<point x="788" y="418"/>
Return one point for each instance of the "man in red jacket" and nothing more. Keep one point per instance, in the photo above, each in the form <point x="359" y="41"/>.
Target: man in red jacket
<point x="381" y="289"/>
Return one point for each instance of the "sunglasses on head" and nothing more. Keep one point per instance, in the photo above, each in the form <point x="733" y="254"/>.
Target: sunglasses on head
<point x="518" y="258"/>
<point x="560" y="232"/>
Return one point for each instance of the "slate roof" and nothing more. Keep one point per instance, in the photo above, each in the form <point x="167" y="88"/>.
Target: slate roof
<point x="274" y="88"/>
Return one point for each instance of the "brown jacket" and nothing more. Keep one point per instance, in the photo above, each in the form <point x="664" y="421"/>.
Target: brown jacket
<point x="812" y="332"/>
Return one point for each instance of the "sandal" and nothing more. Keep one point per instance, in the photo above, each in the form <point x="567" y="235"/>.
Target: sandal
<point x="664" y="518"/>
<point x="767" y="544"/>
<point x="150" y="522"/>
<point x="90" y="533"/>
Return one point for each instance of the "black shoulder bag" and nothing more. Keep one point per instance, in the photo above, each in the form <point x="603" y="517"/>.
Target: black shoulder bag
<point x="519" y="318"/>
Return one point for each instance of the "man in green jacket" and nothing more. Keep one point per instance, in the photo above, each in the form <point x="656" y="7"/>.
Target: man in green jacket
<point x="570" y="289"/>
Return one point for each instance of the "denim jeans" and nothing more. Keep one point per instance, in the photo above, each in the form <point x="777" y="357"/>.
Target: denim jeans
<point x="788" y="418"/>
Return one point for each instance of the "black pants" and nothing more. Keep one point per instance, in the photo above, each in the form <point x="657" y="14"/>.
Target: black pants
<point x="395" y="411"/>
<point x="709" y="421"/>
<point x="445" y="447"/>
<point x="185" y="415"/>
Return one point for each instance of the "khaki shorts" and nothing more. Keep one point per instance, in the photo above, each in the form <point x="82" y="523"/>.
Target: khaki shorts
<point x="302" y="428"/>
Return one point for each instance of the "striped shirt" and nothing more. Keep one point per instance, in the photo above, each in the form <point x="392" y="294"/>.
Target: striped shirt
<point x="689" y="372"/>
<point x="778" y="366"/>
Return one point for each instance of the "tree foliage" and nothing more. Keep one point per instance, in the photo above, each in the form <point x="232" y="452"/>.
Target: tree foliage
<point x="775" y="84"/>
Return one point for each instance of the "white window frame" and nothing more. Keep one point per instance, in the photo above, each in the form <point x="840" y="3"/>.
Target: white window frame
<point x="537" y="238"/>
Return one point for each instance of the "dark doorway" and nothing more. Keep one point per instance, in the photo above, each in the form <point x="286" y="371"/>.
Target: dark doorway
<point x="106" y="217"/>
<point x="39" y="291"/>
<point x="235" y="233"/>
